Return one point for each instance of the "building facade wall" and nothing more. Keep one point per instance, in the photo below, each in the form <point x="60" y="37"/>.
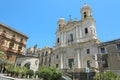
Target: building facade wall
<point x="14" y="42"/>
<point x="112" y="50"/>
<point x="45" y="56"/>
<point x="76" y="43"/>
<point x="29" y="62"/>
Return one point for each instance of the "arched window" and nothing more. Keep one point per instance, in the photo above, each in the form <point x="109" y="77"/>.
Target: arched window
<point x="85" y="14"/>
<point x="60" y="25"/>
<point x="86" y="30"/>
<point x="71" y="37"/>
<point x="58" y="40"/>
<point x="46" y="53"/>
<point x="27" y="65"/>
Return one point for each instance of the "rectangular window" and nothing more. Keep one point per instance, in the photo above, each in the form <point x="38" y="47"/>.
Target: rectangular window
<point x="70" y="62"/>
<point x="13" y="35"/>
<point x="102" y="50"/>
<point x="88" y="63"/>
<point x="58" y="40"/>
<point x="104" y="62"/>
<point x="86" y="30"/>
<point x="11" y="45"/>
<point x="71" y="37"/>
<point x="19" y="47"/>
<point x="118" y="46"/>
<point x="21" y="39"/>
<point x="57" y="56"/>
<point x="88" y="51"/>
<point x="56" y="65"/>
<point x="4" y="31"/>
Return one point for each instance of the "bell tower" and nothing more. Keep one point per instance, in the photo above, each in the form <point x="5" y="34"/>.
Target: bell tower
<point x="60" y="32"/>
<point x="86" y="12"/>
<point x="88" y="23"/>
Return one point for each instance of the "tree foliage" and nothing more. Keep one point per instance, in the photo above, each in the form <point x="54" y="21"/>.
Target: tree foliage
<point x="24" y="70"/>
<point x="1" y="54"/>
<point x="107" y="75"/>
<point x="50" y="73"/>
<point x="30" y="73"/>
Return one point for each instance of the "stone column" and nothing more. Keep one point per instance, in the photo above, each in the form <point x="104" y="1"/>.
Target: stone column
<point x="78" y="58"/>
<point x="64" y="38"/>
<point x="66" y="61"/>
<point x="77" y="32"/>
<point x="61" y="61"/>
<point x="80" y="32"/>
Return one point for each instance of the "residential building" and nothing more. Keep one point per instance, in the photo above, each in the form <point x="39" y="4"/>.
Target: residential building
<point x="45" y="56"/>
<point x="110" y="51"/>
<point x="12" y="41"/>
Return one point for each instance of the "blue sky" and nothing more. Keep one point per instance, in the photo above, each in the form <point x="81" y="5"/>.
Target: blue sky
<point x="38" y="18"/>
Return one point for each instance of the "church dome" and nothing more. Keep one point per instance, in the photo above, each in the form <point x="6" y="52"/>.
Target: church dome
<point x="86" y="7"/>
<point x="61" y="20"/>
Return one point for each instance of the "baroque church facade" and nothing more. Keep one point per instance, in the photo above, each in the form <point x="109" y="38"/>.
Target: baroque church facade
<point x="78" y="48"/>
<point x="76" y="43"/>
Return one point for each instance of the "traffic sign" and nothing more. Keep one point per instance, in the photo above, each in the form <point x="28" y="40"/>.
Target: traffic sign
<point x="87" y="70"/>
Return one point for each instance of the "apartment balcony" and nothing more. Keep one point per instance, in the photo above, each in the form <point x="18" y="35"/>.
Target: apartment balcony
<point x="20" y="53"/>
<point x="3" y="34"/>
<point x="21" y="42"/>
<point x="2" y="41"/>
<point x="10" y="49"/>
<point x="13" y="38"/>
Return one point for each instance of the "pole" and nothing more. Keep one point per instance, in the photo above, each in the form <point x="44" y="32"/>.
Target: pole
<point x="73" y="72"/>
<point x="87" y="71"/>
<point x="88" y="76"/>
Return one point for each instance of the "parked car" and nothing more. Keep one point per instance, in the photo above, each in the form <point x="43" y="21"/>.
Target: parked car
<point x="65" y="78"/>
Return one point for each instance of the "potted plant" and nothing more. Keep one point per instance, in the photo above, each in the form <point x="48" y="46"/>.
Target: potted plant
<point x="10" y="69"/>
<point x="23" y="72"/>
<point x="30" y="73"/>
<point x="36" y="74"/>
<point x="16" y="71"/>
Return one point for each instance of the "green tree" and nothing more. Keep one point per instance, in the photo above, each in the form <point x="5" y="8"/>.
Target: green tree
<point x="30" y="73"/>
<point x="107" y="75"/>
<point x="45" y="73"/>
<point x="56" y="74"/>
<point x="17" y="70"/>
<point x="10" y="69"/>
<point x="24" y="71"/>
<point x="1" y="54"/>
<point x="50" y="73"/>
